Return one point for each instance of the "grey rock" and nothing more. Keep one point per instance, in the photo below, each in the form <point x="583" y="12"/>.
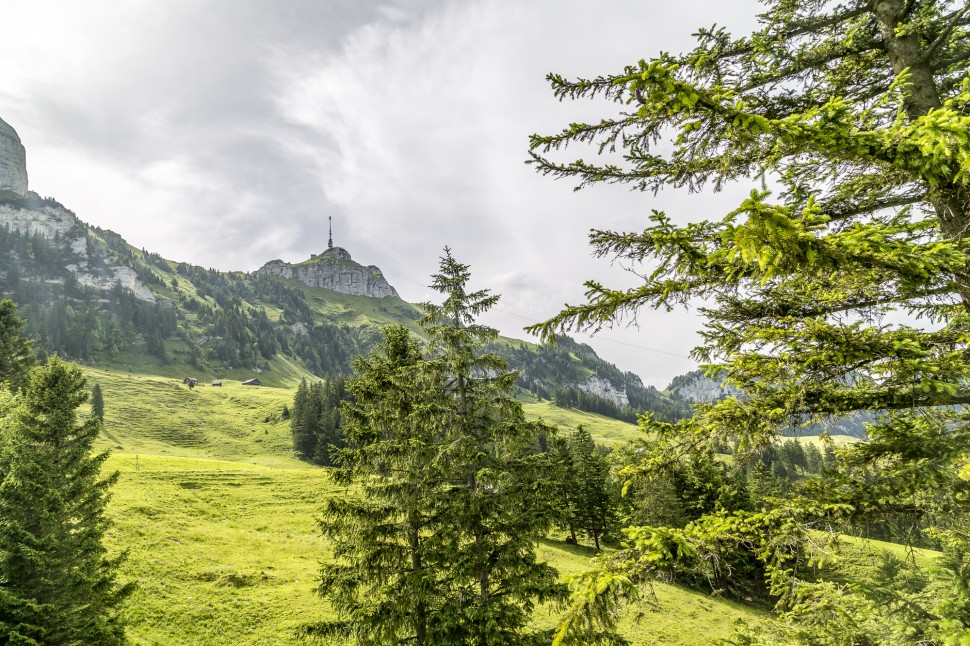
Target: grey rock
<point x="599" y="386"/>
<point x="13" y="161"/>
<point x="705" y="390"/>
<point x="335" y="270"/>
<point x="54" y="221"/>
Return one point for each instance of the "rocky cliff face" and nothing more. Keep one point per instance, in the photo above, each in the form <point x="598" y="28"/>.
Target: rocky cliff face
<point x="334" y="270"/>
<point x="599" y="386"/>
<point x="13" y="161"/>
<point x="50" y="220"/>
<point x="704" y="390"/>
<point x="90" y="268"/>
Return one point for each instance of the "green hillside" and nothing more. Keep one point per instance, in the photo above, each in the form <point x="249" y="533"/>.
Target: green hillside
<point x="218" y="518"/>
<point x="89" y="296"/>
<point x="226" y="552"/>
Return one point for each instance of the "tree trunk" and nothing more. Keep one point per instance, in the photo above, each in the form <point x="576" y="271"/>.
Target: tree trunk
<point x="951" y="203"/>
<point x="420" y="610"/>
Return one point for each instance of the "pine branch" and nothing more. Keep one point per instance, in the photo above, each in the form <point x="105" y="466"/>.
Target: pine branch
<point x="953" y="22"/>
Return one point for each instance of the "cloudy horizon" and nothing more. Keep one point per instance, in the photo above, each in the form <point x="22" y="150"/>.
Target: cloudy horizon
<point x="225" y="133"/>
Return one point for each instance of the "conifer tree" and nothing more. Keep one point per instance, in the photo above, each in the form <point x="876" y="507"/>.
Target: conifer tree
<point x="592" y="502"/>
<point x="57" y="584"/>
<point x="439" y="547"/>
<point x="499" y="491"/>
<point x="388" y="580"/>
<point x="563" y="472"/>
<point x="16" y="359"/>
<point x="97" y="403"/>
<point x="855" y="114"/>
<point x="304" y="421"/>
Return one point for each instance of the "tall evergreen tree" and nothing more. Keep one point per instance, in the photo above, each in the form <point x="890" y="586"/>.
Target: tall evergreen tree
<point x="499" y="491"/>
<point x="97" y="403"/>
<point x="304" y="421"/>
<point x="388" y="580"/>
<point x="592" y="502"/>
<point x="563" y="473"/>
<point x="57" y="584"/>
<point x="856" y="114"/>
<point x="16" y="359"/>
<point x="439" y="548"/>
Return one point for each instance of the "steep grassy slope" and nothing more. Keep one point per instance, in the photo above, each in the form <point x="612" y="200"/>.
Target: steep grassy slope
<point x="227" y="553"/>
<point x="218" y="519"/>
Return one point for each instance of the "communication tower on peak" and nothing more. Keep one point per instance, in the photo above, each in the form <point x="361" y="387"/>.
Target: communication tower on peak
<point x="330" y="240"/>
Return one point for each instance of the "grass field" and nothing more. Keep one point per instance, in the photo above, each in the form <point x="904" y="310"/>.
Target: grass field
<point x="217" y="517"/>
<point x="226" y="552"/>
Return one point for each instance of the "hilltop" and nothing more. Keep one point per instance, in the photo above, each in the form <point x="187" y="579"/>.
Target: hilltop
<point x="89" y="295"/>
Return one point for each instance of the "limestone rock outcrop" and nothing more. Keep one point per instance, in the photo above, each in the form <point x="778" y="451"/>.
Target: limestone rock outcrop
<point x="705" y="390"/>
<point x="13" y="161"/>
<point x="596" y="385"/>
<point x="46" y="218"/>
<point x="53" y="221"/>
<point x="335" y="270"/>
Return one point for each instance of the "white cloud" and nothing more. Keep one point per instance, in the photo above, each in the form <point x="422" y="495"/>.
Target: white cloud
<point x="224" y="133"/>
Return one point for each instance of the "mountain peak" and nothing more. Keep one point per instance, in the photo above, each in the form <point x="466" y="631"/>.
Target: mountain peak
<point x="334" y="269"/>
<point x="13" y="161"/>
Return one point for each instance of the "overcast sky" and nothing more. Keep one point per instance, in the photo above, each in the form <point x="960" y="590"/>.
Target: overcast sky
<point x="224" y="133"/>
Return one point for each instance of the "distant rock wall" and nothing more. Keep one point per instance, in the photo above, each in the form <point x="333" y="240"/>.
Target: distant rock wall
<point x="53" y="221"/>
<point x="705" y="390"/>
<point x="602" y="387"/>
<point x="13" y="161"/>
<point x="334" y="270"/>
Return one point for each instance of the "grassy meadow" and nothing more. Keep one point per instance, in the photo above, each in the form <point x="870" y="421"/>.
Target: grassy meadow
<point x="218" y="518"/>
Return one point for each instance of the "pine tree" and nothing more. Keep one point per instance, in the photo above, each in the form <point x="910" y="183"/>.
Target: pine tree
<point x="498" y="483"/>
<point x="57" y="584"/>
<point x="856" y="115"/>
<point x="592" y="502"/>
<point x="97" y="403"/>
<point x="304" y="422"/>
<point x="387" y="579"/>
<point x="16" y="359"/>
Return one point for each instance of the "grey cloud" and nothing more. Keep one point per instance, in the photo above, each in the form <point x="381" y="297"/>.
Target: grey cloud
<point x="224" y="132"/>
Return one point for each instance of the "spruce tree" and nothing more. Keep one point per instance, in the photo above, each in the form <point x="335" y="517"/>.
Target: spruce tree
<point x="439" y="545"/>
<point x="499" y="490"/>
<point x="849" y="122"/>
<point x="388" y="578"/>
<point x="563" y="473"/>
<point x="16" y="359"/>
<point x="304" y="421"/>
<point x="57" y="583"/>
<point x="592" y="503"/>
<point x="97" y="403"/>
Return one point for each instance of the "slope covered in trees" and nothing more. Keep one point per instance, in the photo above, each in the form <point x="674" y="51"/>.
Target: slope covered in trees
<point x="209" y="323"/>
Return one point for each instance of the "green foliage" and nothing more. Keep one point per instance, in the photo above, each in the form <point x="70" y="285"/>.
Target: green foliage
<point x="388" y="578"/>
<point x="857" y="113"/>
<point x="499" y="487"/>
<point x="584" y="491"/>
<point x="16" y="358"/>
<point x="316" y="421"/>
<point x="97" y="403"/>
<point x="440" y="547"/>
<point x="57" y="584"/>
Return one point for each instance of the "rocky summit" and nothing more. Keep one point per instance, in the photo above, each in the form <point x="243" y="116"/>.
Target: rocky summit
<point x="335" y="270"/>
<point x="13" y="161"/>
<point x="25" y="212"/>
